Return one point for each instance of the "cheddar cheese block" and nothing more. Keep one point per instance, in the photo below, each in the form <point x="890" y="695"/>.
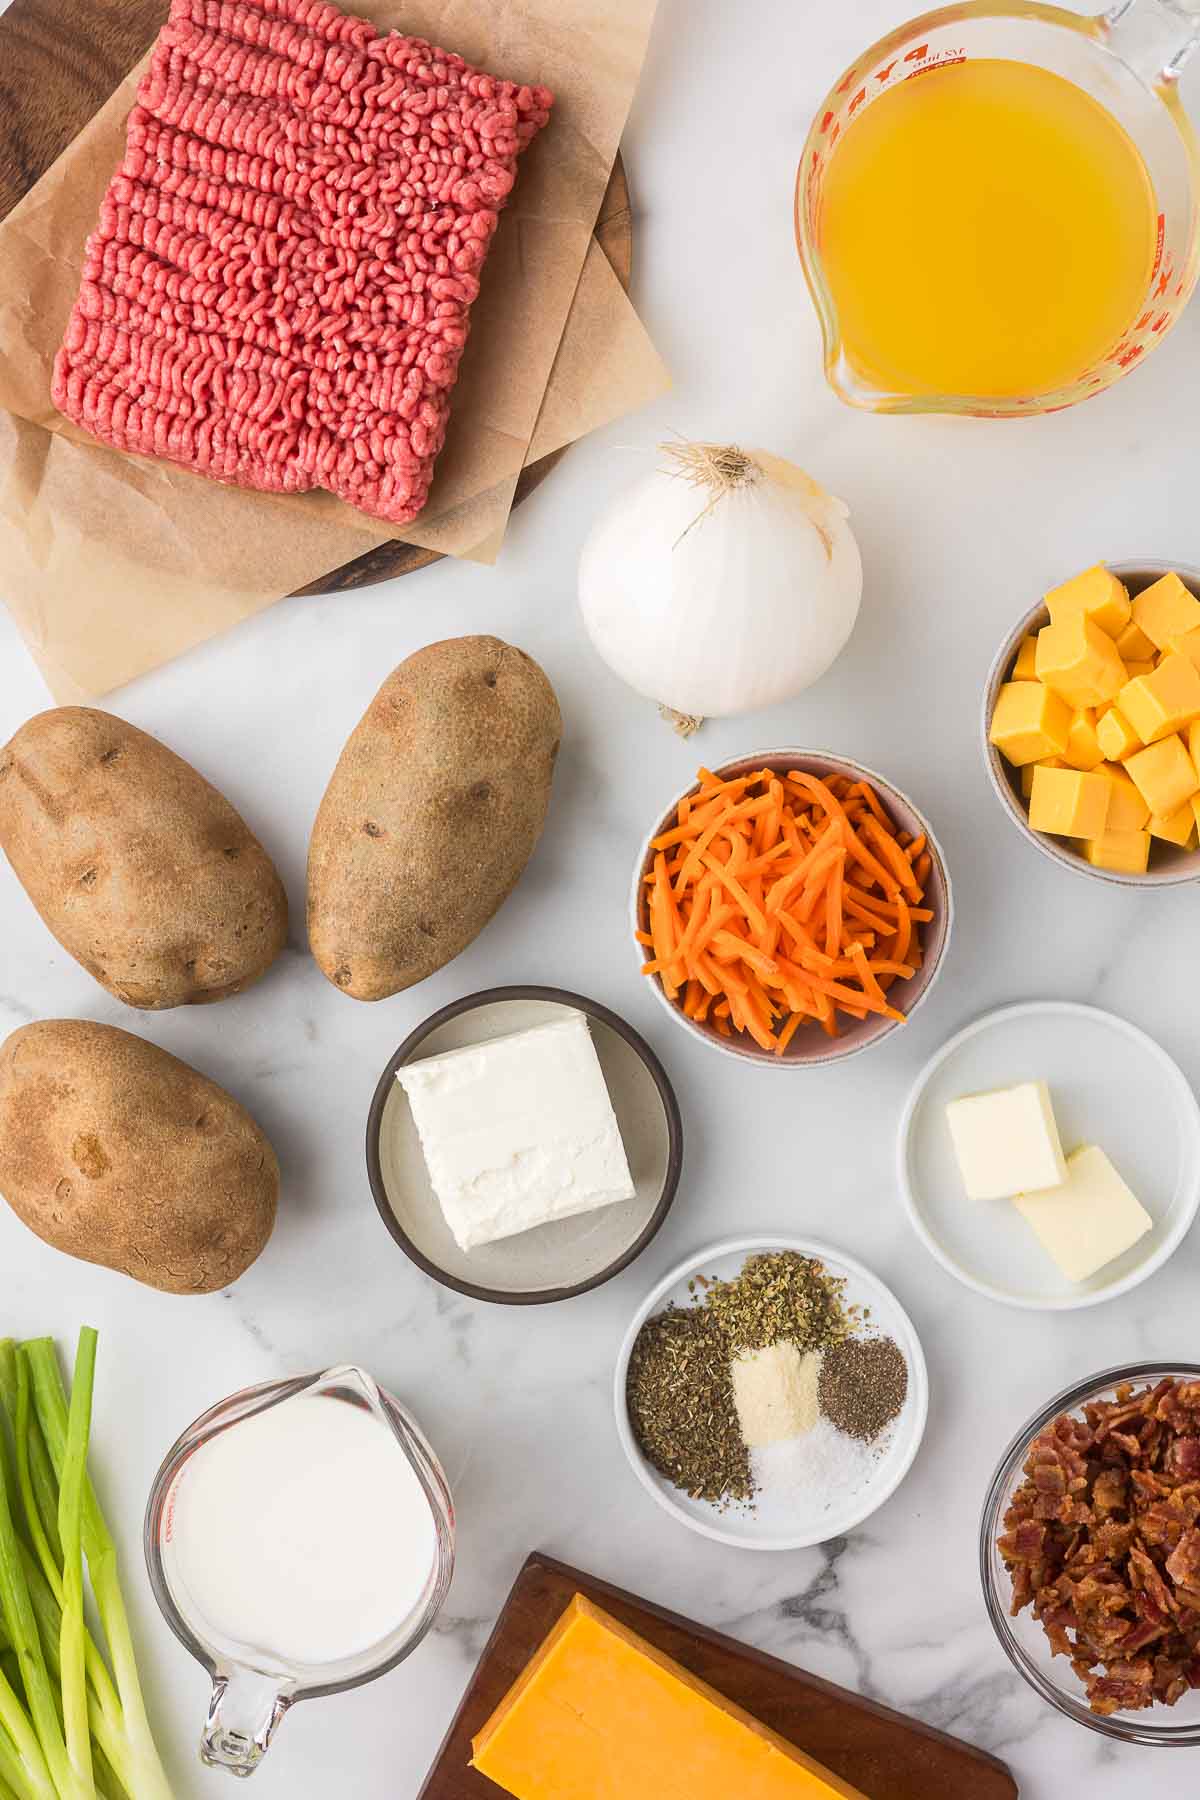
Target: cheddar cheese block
<point x="601" y="1715"/>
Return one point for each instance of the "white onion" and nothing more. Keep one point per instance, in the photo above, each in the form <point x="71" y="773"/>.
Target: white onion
<point x="724" y="581"/>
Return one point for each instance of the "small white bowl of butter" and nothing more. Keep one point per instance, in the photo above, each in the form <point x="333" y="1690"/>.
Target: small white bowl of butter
<point x="1120" y="1109"/>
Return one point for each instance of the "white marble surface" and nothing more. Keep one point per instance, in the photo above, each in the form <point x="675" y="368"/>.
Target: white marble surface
<point x="960" y="524"/>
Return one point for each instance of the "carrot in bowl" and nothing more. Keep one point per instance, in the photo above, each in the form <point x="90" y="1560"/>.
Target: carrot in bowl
<point x="779" y="900"/>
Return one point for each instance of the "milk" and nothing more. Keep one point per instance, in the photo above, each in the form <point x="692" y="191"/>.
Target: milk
<point x="301" y="1534"/>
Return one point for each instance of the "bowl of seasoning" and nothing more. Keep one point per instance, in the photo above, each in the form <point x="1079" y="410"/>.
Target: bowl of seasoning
<point x="791" y="908"/>
<point x="770" y="1393"/>
<point x="1089" y="1553"/>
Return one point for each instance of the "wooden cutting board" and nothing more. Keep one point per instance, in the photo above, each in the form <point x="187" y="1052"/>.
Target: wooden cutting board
<point x="59" y="62"/>
<point x="885" y="1755"/>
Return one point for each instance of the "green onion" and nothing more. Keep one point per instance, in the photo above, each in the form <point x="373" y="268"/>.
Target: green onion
<point x="73" y="1672"/>
<point x="68" y="1730"/>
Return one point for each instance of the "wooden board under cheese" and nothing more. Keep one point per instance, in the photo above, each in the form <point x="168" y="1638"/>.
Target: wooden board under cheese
<point x="599" y="1714"/>
<point x="876" y="1751"/>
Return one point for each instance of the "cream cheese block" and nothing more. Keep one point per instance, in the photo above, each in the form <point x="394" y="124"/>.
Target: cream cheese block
<point x="518" y="1131"/>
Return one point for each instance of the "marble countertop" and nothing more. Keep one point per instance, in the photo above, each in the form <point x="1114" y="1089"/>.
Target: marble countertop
<point x="960" y="524"/>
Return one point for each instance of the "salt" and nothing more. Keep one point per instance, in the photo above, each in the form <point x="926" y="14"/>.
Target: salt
<point x="800" y="1479"/>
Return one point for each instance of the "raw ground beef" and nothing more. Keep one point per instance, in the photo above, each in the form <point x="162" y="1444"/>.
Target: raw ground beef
<point x="278" y="290"/>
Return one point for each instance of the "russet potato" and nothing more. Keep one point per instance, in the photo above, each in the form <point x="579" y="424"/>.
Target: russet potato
<point x="139" y="867"/>
<point x="116" y="1152"/>
<point x="431" y="814"/>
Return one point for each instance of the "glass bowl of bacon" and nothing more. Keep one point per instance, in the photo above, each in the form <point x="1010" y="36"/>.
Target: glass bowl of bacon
<point x="1090" y="1553"/>
<point x="791" y="908"/>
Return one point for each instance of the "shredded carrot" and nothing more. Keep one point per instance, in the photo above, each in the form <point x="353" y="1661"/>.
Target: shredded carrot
<point x="775" y="900"/>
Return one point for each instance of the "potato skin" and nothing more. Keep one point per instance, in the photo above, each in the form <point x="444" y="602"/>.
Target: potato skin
<point x="116" y="1152"/>
<point x="431" y="814"/>
<point x="139" y="867"/>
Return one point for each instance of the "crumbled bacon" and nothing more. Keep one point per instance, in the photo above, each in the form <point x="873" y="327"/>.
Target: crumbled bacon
<point x="1102" y="1539"/>
<point x="1183" y="1564"/>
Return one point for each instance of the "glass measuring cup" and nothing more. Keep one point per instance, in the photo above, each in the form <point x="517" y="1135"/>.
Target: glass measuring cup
<point x="253" y="1690"/>
<point x="1129" y="59"/>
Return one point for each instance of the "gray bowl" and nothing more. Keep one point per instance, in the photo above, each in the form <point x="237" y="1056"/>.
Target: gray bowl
<point x="570" y="1256"/>
<point x="809" y="1048"/>
<point x="1169" y="865"/>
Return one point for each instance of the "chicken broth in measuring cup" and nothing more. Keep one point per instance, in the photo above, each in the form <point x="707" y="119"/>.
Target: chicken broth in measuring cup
<point x="987" y="228"/>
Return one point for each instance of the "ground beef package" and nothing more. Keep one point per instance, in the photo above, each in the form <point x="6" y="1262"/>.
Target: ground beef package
<point x="278" y="290"/>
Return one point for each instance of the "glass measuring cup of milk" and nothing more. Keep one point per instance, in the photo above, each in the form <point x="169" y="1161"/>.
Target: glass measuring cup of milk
<point x="300" y="1541"/>
<point x="1123" y="67"/>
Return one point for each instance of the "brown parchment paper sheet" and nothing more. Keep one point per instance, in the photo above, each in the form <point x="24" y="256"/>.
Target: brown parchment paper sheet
<point x="112" y="564"/>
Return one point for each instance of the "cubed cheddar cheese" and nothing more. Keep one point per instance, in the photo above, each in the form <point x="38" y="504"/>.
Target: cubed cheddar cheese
<point x="1133" y="645"/>
<point x="1166" y="610"/>
<point x="1124" y="852"/>
<point x="1133" y="669"/>
<point x="1097" y="594"/>
<point x="1165" y="775"/>
<point x="1069" y="802"/>
<point x="1025" y="667"/>
<point x="1127" y="811"/>
<point x="1187" y="644"/>
<point x="601" y="1712"/>
<point x="1163" y="701"/>
<point x="1049" y="762"/>
<point x="1030" y="722"/>
<point x="1116" y="736"/>
<point x="1083" y="747"/>
<point x="1076" y="659"/>
<point x="1179" y="828"/>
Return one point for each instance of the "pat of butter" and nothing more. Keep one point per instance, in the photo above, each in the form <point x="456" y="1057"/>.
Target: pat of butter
<point x="1088" y="1220"/>
<point x="1006" y="1141"/>
<point x="518" y="1131"/>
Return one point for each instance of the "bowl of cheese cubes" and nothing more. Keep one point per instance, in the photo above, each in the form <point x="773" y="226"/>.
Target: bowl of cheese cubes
<point x="1091" y="723"/>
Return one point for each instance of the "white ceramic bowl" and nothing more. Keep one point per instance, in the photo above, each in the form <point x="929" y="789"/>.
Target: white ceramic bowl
<point x="1111" y="1085"/>
<point x="739" y="1526"/>
<point x="1168" y="865"/>
<point x="809" y="1046"/>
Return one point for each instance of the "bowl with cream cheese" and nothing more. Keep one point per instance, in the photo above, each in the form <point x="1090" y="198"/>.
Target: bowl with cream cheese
<point x="523" y="1145"/>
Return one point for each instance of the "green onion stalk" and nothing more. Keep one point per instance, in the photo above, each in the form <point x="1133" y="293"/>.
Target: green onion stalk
<point x="73" y="1723"/>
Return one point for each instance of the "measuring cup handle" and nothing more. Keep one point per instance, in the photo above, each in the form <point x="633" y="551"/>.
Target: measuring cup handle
<point x="243" y="1715"/>
<point x="1155" y="37"/>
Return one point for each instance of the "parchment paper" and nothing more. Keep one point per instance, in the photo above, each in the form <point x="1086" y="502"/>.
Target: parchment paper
<point x="113" y="564"/>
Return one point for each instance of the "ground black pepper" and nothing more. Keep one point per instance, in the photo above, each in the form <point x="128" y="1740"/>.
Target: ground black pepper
<point x="863" y="1385"/>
